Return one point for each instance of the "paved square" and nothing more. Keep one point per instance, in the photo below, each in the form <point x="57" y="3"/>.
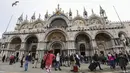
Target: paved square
<point x="15" y="68"/>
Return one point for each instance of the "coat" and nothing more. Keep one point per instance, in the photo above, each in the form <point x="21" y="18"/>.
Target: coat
<point x="49" y="58"/>
<point x="123" y="61"/>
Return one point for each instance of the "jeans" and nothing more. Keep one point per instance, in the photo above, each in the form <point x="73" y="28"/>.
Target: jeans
<point x="26" y="65"/>
<point x="57" y="64"/>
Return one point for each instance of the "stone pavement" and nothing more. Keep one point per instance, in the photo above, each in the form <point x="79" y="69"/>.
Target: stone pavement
<point x="6" y="68"/>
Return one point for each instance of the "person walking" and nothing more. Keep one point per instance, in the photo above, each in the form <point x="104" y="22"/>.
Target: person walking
<point x="57" y="65"/>
<point x="11" y="59"/>
<point x="35" y="61"/>
<point x="111" y="59"/>
<point x="27" y="59"/>
<point x="3" y="58"/>
<point x="77" y="59"/>
<point x="72" y="61"/>
<point x="123" y="61"/>
<point x="96" y="60"/>
<point x="48" y="58"/>
<point x="22" y="60"/>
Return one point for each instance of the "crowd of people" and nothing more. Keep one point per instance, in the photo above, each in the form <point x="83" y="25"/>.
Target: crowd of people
<point x="74" y="60"/>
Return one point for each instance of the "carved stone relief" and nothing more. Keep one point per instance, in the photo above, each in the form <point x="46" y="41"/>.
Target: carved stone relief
<point x="79" y="22"/>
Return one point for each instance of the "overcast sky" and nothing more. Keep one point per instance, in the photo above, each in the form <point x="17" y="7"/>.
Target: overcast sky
<point x="28" y="7"/>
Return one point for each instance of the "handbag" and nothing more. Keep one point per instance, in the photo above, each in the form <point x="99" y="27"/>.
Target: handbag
<point x="44" y="62"/>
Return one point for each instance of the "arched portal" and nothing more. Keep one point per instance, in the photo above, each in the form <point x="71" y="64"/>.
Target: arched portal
<point x="57" y="47"/>
<point x="103" y="41"/>
<point x="55" y="41"/>
<point x="15" y="43"/>
<point x="82" y="49"/>
<point x="31" y="45"/>
<point x="82" y="44"/>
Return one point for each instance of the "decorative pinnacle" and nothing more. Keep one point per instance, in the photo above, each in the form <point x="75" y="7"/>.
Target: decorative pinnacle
<point x="92" y="11"/>
<point x="77" y="12"/>
<point x="58" y="6"/>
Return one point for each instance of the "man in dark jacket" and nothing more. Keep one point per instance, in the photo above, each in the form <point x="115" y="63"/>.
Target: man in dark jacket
<point x="96" y="59"/>
<point x="123" y="61"/>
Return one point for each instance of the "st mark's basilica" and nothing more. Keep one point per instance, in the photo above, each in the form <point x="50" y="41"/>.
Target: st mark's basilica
<point x="62" y="32"/>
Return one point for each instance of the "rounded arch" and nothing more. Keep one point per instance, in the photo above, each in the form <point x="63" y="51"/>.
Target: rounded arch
<point x="56" y="42"/>
<point x="80" y="19"/>
<point x="53" y="31"/>
<point x="38" y="23"/>
<point x="30" y="35"/>
<point x="122" y="33"/>
<point x="95" y="19"/>
<point x="82" y="33"/>
<point x="105" y="32"/>
<point x="31" y="42"/>
<point x="14" y="38"/>
<point x="58" y="22"/>
<point x="103" y="41"/>
<point x="15" y="43"/>
<point x="56" y="46"/>
<point x="83" y="43"/>
<point x="58" y="17"/>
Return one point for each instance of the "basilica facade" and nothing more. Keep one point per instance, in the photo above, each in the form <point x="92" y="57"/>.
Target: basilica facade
<point x="66" y="34"/>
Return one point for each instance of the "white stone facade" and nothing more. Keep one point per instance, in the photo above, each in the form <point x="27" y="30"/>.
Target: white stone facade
<point x="65" y="34"/>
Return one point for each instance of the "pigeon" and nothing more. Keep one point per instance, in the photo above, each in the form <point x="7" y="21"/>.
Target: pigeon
<point x="15" y="3"/>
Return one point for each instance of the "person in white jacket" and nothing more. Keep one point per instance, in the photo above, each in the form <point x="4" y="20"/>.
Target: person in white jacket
<point x="57" y="65"/>
<point x="35" y="61"/>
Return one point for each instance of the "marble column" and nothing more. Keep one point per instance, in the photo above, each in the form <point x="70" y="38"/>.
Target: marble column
<point x="22" y="46"/>
<point x="8" y="47"/>
<point x="94" y="44"/>
<point x="113" y="43"/>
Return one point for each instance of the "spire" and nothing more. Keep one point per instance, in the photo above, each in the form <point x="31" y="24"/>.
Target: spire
<point x="21" y="17"/>
<point x="46" y="15"/>
<point x="85" y="12"/>
<point x="102" y="11"/>
<point x="39" y="16"/>
<point x="26" y="17"/>
<point x="77" y="12"/>
<point x="33" y="17"/>
<point x="58" y="6"/>
<point x="70" y="13"/>
<point x="92" y="11"/>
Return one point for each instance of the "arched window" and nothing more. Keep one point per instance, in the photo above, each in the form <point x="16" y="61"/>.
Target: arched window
<point x="58" y="23"/>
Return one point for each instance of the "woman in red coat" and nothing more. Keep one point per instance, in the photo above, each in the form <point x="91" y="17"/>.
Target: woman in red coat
<point x="48" y="58"/>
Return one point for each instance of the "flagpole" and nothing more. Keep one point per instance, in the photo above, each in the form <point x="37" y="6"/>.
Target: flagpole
<point x="8" y="24"/>
<point x="118" y="16"/>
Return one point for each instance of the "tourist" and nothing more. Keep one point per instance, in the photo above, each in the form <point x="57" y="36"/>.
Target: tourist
<point x="96" y="60"/>
<point x="111" y="60"/>
<point x="48" y="58"/>
<point x="57" y="64"/>
<point x="77" y="59"/>
<point x="3" y="58"/>
<point x="27" y="60"/>
<point x="35" y="61"/>
<point x="72" y="61"/>
<point x="123" y="61"/>
<point x="41" y="66"/>
<point x="22" y="60"/>
<point x="116" y="58"/>
<point x="11" y="59"/>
